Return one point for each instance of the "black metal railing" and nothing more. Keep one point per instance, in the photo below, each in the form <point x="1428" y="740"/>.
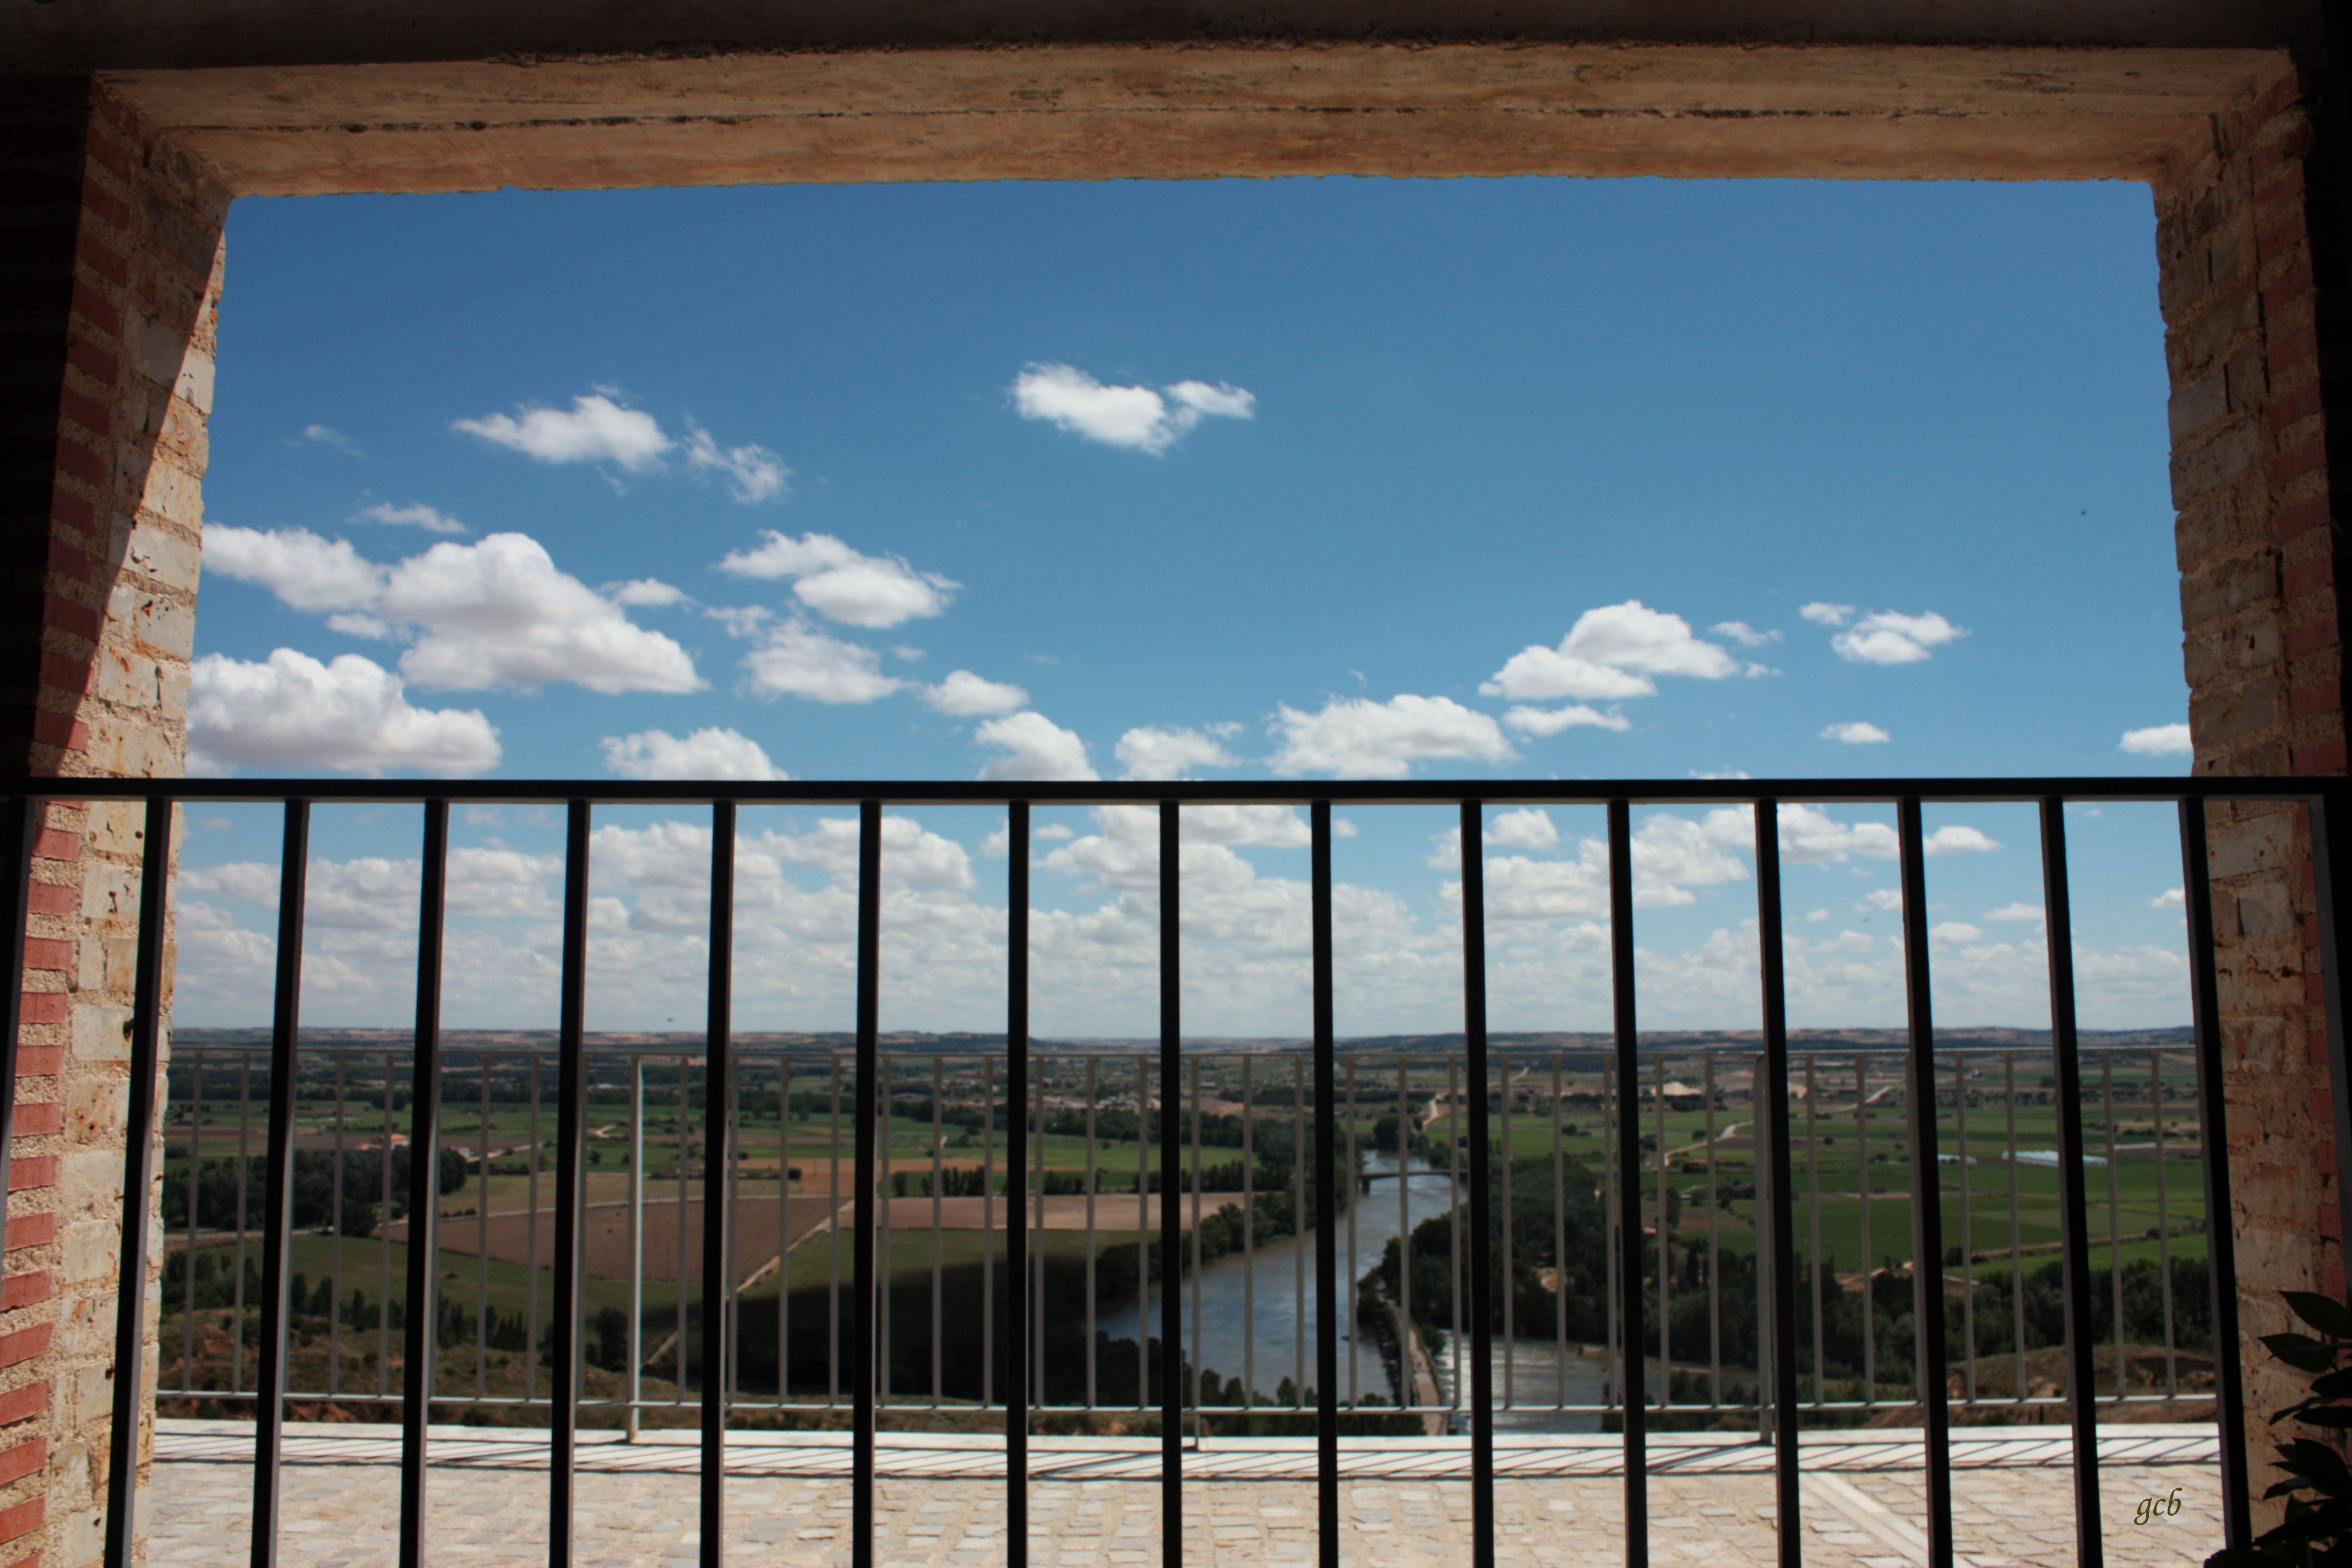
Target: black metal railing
<point x="1782" y="1398"/>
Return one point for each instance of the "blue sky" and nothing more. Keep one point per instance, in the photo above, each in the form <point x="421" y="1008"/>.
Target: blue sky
<point x="1341" y="477"/>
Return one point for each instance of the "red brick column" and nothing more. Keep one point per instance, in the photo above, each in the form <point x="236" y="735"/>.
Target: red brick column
<point x="2253" y="339"/>
<point x="111" y="247"/>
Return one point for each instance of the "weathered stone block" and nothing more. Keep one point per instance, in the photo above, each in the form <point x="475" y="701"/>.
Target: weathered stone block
<point x="2251" y="844"/>
<point x="169" y="557"/>
<point x="2206" y="468"/>
<point x="2198" y="404"/>
<point x="101" y="1033"/>
<point x="2263" y="911"/>
<point x="164" y="623"/>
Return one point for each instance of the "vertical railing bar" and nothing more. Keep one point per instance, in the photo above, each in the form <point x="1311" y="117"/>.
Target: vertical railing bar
<point x="530" y="1231"/>
<point x="1035" y="1210"/>
<point x="277" y="1220"/>
<point x="1926" y="1198"/>
<point x="424" y="1206"/>
<point x="335" y="1246"/>
<point x="1326" y="1232"/>
<point x="886" y="1170"/>
<point x="1020" y="1304"/>
<point x="482" y="1228"/>
<point x="636" y="1235"/>
<point x="383" y="1249"/>
<point x="784" y="1228"/>
<point x="987" y="1232"/>
<point x="1633" y="1381"/>
<point x="682" y="1228"/>
<point x="861" y="1323"/>
<point x="939" y="1232"/>
<point x="1559" y="1236"/>
<point x="1093" y="1166"/>
<point x="132" y="1405"/>
<point x="1143" y="1253"/>
<point x="1714" y="1246"/>
<point x="2074" y="1202"/>
<point x="1480" y="1072"/>
<point x="1405" y="1383"/>
<point x="196" y="1059"/>
<point x="2330" y="852"/>
<point x="1779" y="1246"/>
<point x="2213" y="1132"/>
<point x="564" y="1385"/>
<point x="717" y="1223"/>
<point x="1249" y="1238"/>
<point x="1171" y="1214"/>
<point x="2115" y="1221"/>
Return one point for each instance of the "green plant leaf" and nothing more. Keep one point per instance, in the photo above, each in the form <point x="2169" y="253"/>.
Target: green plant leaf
<point x="2336" y="1415"/>
<point x="2280" y="1344"/>
<point x="2318" y="1463"/>
<point x="2334" y="1385"/>
<point x="2325" y="1313"/>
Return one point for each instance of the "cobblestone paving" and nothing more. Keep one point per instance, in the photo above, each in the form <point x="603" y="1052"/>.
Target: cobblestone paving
<point x="344" y="1516"/>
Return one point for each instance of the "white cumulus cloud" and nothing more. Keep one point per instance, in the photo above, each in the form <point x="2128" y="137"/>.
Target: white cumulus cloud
<point x="306" y="572"/>
<point x="595" y="429"/>
<point x="2170" y="898"/>
<point x="964" y="695"/>
<point x="1135" y="418"/>
<point x="1035" y="748"/>
<point x="2158" y="740"/>
<point x="644" y="593"/>
<point x="496" y="612"/>
<point x="795" y="660"/>
<point x="1823" y="614"/>
<point x="1610" y="653"/>
<point x="841" y="582"/>
<point x="431" y="520"/>
<point x="1886" y="637"/>
<point x="1743" y="634"/>
<point x="291" y="712"/>
<point x="1357" y="738"/>
<point x="752" y="473"/>
<point x="1524" y="829"/>
<point x="1856" y="733"/>
<point x="1552" y="720"/>
<point x="500" y="612"/>
<point x="2023" y="913"/>
<point x="712" y="753"/>
<point x="1153" y="753"/>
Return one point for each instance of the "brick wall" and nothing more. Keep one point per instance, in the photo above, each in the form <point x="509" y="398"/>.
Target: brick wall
<point x="111" y="286"/>
<point x="2254" y="344"/>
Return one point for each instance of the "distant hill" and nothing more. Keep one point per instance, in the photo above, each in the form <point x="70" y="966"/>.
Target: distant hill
<point x="766" y="1042"/>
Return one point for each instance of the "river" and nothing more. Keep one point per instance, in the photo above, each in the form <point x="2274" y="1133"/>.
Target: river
<point x="1239" y="1291"/>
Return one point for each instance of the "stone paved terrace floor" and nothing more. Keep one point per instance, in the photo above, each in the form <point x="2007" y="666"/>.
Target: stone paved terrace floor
<point x="1405" y="1501"/>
